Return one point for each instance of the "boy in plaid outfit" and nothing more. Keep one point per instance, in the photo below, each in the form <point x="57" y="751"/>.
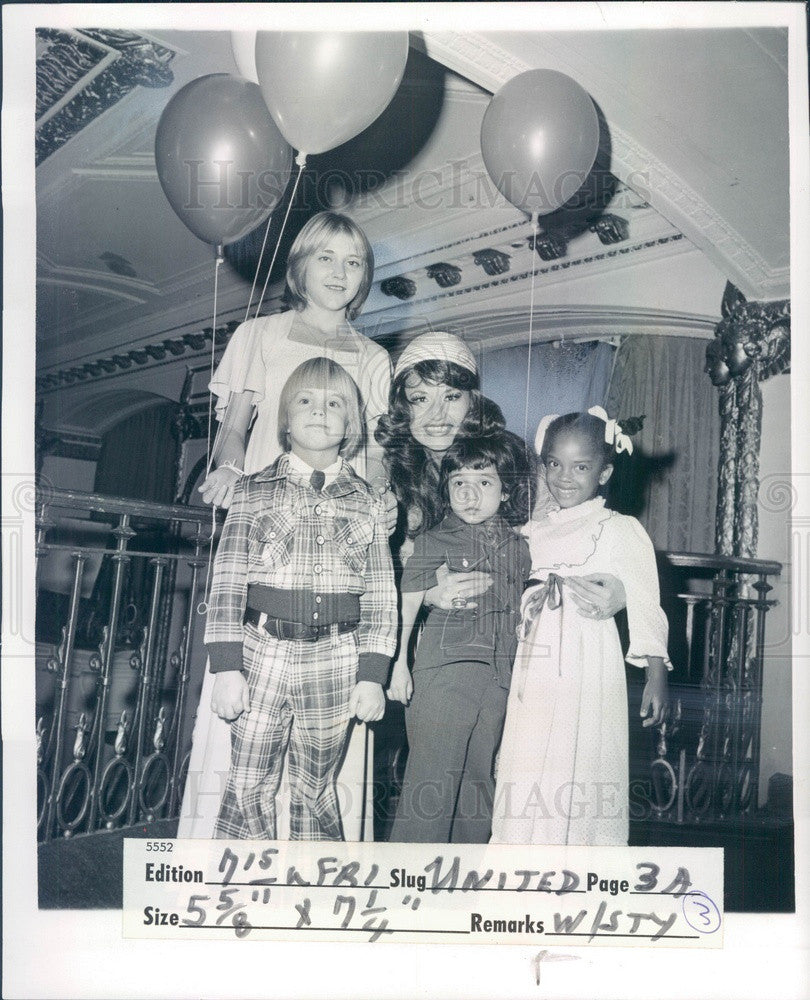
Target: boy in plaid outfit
<point x="302" y="617"/>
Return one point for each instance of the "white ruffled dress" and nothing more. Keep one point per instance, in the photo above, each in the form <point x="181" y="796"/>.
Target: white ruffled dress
<point x="563" y="765"/>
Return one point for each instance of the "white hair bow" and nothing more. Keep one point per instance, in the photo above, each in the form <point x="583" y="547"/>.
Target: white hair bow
<point x="542" y="427"/>
<point x="613" y="431"/>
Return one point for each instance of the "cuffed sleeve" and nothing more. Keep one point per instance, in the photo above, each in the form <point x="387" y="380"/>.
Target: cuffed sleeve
<point x="373" y="667"/>
<point x="224" y="656"/>
<point x="636" y="567"/>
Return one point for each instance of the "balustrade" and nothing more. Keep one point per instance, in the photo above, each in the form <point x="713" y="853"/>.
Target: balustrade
<point x="113" y="726"/>
<point x="706" y="758"/>
<point x="116" y="649"/>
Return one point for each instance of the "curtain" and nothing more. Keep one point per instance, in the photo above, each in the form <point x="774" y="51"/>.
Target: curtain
<point x="670" y="481"/>
<point x="138" y="461"/>
<point x="138" y="457"/>
<point x="562" y="379"/>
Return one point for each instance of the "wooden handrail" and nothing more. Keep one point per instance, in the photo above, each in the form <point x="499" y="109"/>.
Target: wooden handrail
<point x="698" y="560"/>
<point x="119" y="505"/>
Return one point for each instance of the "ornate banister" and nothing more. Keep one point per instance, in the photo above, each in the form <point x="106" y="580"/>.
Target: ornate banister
<point x="112" y="721"/>
<point x="706" y="765"/>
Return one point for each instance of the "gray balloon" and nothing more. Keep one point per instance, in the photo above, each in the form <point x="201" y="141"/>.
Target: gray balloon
<point x="221" y="160"/>
<point x="324" y="87"/>
<point x="539" y="139"/>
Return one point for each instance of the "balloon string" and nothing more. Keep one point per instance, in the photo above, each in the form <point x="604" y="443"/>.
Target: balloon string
<point x="202" y="607"/>
<point x="258" y="266"/>
<point x="209" y="450"/>
<point x="529" y="349"/>
<point x="301" y="164"/>
<point x="531" y="330"/>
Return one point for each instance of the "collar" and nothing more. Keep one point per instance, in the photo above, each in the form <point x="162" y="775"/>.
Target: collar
<point x="344" y="480"/>
<point x="452" y="522"/>
<point x="298" y="465"/>
<point x="590" y="508"/>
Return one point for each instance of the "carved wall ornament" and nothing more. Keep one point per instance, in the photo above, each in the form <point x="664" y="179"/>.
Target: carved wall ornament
<point x="105" y="65"/>
<point x="399" y="287"/>
<point x="750" y="335"/>
<point x="751" y="344"/>
<point x="492" y="261"/>
<point x="175" y="346"/>
<point x="549" y="246"/>
<point x="611" y="229"/>
<point x="445" y="275"/>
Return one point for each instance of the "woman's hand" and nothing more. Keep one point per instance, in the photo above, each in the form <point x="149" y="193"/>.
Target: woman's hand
<point x="389" y="499"/>
<point x="401" y="686"/>
<point x="597" y="595"/>
<point x="218" y="486"/>
<point x="454" y="588"/>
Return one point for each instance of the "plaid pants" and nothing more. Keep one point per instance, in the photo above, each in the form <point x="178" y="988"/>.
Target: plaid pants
<point x="299" y="705"/>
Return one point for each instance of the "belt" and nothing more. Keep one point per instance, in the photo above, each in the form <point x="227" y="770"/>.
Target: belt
<point x="297" y="631"/>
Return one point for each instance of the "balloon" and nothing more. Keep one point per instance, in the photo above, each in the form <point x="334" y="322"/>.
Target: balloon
<point x="243" y="46"/>
<point x="539" y="139"/>
<point x="221" y="160"/>
<point x="323" y="88"/>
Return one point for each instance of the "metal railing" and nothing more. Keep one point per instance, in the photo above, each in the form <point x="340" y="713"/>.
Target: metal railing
<point x="113" y="730"/>
<point x="117" y="648"/>
<point x="707" y="756"/>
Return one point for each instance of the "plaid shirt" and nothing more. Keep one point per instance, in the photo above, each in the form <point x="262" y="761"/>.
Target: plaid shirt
<point x="280" y="533"/>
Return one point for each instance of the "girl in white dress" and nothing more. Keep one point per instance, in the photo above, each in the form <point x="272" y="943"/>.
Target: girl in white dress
<point x="329" y="274"/>
<point x="563" y="767"/>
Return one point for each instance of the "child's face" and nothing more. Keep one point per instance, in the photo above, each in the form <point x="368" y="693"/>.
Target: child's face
<point x="437" y="412"/>
<point x="574" y="469"/>
<point x="317" y="420"/>
<point x="333" y="274"/>
<point x="475" y="494"/>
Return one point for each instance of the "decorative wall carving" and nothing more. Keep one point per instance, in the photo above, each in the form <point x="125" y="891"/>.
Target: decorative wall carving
<point x="611" y="229"/>
<point x="399" y="287"/>
<point x="549" y="246"/>
<point x="492" y="261"/>
<point x="445" y="275"/>
<point x="752" y="343"/>
<point x="176" y="346"/>
<point x="66" y="58"/>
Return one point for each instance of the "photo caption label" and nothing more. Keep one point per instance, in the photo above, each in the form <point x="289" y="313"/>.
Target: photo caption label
<point x="480" y="894"/>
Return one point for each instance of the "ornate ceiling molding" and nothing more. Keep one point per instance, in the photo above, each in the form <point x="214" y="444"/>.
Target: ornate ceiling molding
<point x="143" y="356"/>
<point x="82" y="73"/>
<point x="584" y="261"/>
<point x="482" y="60"/>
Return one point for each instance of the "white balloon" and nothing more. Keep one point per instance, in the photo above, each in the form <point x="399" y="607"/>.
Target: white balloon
<point x="243" y="45"/>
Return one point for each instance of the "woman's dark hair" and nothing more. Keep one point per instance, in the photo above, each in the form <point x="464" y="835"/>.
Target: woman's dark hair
<point x="515" y="463"/>
<point x="586" y="424"/>
<point x="411" y="469"/>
